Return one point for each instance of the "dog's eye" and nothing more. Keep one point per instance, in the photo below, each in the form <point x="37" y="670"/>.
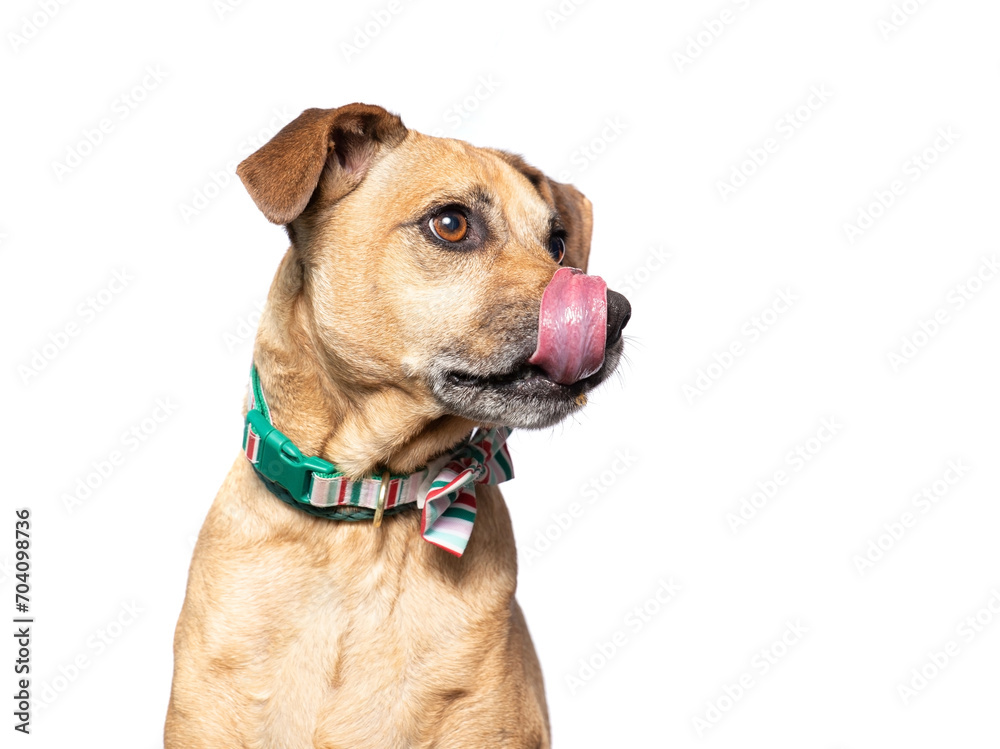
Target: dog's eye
<point x="557" y="248"/>
<point x="450" y="225"/>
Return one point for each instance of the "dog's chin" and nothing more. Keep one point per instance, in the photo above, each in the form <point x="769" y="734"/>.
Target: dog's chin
<point x="521" y="396"/>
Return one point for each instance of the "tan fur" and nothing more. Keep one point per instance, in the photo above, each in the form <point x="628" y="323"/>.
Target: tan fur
<point x="304" y="632"/>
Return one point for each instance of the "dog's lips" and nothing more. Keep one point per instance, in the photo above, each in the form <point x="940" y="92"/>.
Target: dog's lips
<point x="513" y="391"/>
<point x="527" y="375"/>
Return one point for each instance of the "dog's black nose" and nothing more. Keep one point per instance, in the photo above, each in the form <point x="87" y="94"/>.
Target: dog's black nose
<point x="619" y="311"/>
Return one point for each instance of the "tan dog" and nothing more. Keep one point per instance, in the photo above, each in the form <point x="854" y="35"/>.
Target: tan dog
<point x="402" y="317"/>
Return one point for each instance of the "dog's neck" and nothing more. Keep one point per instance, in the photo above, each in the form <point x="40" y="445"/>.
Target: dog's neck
<point x="360" y="430"/>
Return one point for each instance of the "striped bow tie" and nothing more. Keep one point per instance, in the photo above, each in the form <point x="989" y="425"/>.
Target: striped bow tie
<point x="444" y="490"/>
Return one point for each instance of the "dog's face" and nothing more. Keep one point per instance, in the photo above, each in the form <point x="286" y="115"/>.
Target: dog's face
<point x="425" y="261"/>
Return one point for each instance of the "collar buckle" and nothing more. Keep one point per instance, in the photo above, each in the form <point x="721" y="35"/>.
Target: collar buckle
<point x="280" y="461"/>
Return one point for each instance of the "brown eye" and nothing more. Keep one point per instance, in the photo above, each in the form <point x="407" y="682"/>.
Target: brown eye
<point x="557" y="248"/>
<point x="450" y="226"/>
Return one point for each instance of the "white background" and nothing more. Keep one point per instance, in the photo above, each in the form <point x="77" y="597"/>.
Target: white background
<point x="179" y="331"/>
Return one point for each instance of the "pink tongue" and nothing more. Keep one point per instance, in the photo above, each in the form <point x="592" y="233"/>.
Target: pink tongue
<point x="572" y="326"/>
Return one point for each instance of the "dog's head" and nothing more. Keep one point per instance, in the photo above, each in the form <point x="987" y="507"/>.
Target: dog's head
<point x="424" y="265"/>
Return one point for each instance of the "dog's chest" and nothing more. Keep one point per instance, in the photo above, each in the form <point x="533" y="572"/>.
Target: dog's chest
<point x="383" y="661"/>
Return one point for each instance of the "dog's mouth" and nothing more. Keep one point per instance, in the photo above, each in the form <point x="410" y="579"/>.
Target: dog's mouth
<point x="522" y="395"/>
<point x="526" y="376"/>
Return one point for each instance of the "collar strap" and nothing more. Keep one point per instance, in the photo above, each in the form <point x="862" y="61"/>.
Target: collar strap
<point x="444" y="490"/>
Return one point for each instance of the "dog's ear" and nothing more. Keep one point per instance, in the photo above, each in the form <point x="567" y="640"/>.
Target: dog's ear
<point x="322" y="152"/>
<point x="572" y="206"/>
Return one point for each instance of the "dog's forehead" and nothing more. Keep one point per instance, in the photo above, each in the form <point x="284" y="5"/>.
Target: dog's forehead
<point x="424" y="170"/>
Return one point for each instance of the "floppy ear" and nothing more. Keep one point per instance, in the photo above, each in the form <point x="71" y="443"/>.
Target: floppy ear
<point x="572" y="206"/>
<point x="329" y="149"/>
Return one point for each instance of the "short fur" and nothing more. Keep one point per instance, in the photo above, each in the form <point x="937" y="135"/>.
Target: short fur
<point x="299" y="631"/>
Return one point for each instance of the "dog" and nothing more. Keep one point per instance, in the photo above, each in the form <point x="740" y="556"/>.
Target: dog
<point x="433" y="297"/>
